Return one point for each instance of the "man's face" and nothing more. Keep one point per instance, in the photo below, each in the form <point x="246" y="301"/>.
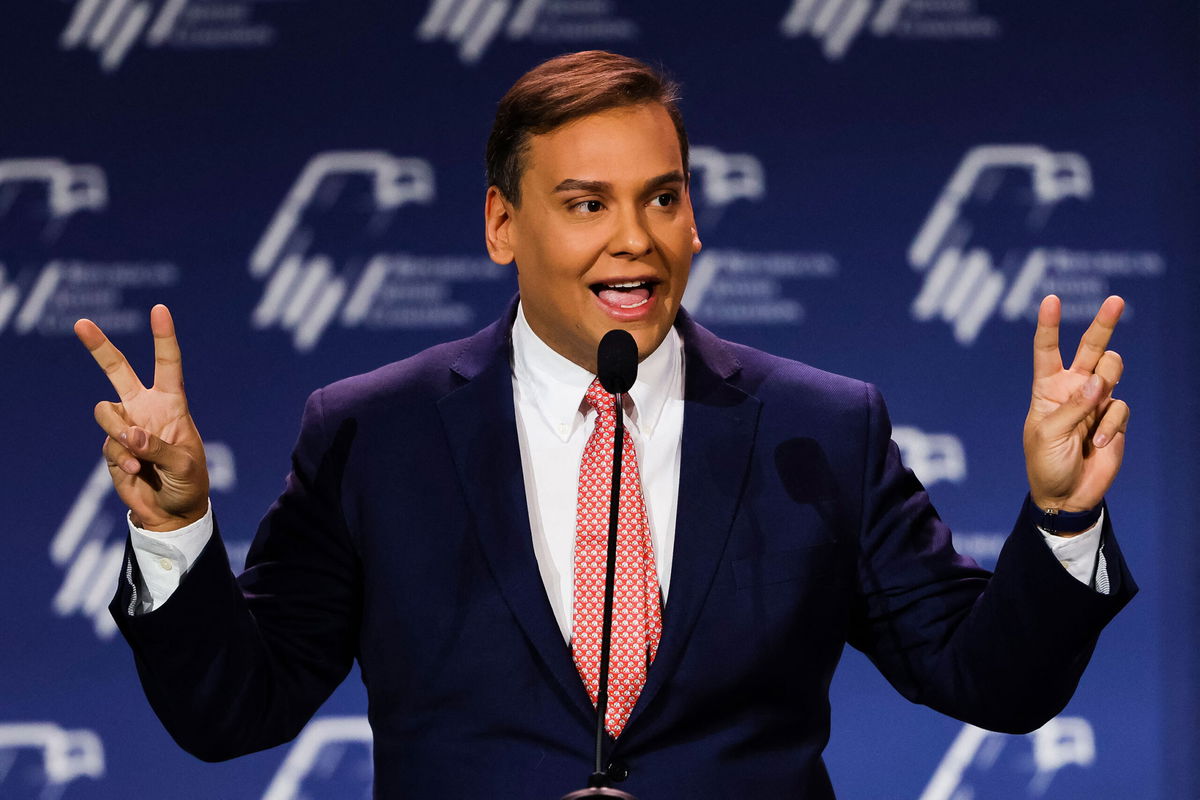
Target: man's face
<point x="604" y="236"/>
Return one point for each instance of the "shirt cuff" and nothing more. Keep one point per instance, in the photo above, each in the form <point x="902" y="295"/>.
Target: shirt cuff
<point x="164" y="558"/>
<point x="1082" y="555"/>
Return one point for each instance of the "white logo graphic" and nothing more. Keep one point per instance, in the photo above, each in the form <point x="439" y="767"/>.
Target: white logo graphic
<point x="70" y="188"/>
<point x="740" y="287"/>
<point x="83" y="547"/>
<point x="395" y="181"/>
<point x="724" y="178"/>
<point x="59" y="290"/>
<point x="311" y="282"/>
<point x="965" y="285"/>
<point x="317" y="752"/>
<point x="1059" y="743"/>
<point x="982" y="546"/>
<point x="112" y="27"/>
<point x="933" y="457"/>
<point x="303" y="291"/>
<point x="837" y="23"/>
<point x="66" y="754"/>
<point x="474" y="24"/>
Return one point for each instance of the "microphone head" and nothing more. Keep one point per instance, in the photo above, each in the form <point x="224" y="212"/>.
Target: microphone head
<point x="617" y="361"/>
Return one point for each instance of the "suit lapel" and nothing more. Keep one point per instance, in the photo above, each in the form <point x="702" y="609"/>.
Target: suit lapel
<point x="719" y="426"/>
<point x="480" y="423"/>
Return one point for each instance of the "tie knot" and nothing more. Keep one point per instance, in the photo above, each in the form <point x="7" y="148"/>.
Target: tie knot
<point x="602" y="401"/>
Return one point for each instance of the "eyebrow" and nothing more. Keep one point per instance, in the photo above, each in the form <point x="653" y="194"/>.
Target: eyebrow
<point x="603" y="187"/>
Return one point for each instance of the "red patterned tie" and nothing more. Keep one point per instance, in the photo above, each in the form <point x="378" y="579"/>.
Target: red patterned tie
<point x="637" y="615"/>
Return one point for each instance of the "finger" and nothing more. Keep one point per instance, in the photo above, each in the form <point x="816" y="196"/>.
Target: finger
<point x="120" y="374"/>
<point x="1083" y="401"/>
<point x="148" y="447"/>
<point x="1046" y="359"/>
<point x="168" y="363"/>
<point x="140" y="443"/>
<point x="1110" y="367"/>
<point x="1114" y="422"/>
<point x="117" y="456"/>
<point x="1095" y="339"/>
<point x="111" y="418"/>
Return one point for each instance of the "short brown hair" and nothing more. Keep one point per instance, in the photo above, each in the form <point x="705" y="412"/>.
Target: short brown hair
<point x="564" y="88"/>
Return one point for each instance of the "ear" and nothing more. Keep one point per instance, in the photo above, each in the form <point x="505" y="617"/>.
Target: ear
<point x="497" y="226"/>
<point x="687" y="191"/>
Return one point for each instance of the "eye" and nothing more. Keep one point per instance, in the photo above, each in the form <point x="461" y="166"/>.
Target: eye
<point x="588" y="207"/>
<point x="664" y="200"/>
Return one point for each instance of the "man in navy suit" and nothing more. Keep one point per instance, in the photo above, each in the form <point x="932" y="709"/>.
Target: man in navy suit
<point x="424" y="530"/>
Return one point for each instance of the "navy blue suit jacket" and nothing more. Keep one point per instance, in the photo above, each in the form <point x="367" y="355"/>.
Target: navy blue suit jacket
<point x="402" y="539"/>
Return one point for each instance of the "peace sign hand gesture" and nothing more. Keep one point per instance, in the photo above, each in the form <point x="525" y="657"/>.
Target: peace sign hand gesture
<point x="154" y="452"/>
<point x="1075" y="430"/>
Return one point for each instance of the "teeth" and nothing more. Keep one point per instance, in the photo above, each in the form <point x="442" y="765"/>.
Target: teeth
<point x="630" y="285"/>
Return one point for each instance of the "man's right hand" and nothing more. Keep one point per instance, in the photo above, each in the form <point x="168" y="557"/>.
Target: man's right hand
<point x="153" y="450"/>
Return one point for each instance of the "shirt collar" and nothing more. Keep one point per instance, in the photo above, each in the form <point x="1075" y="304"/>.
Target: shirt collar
<point x="556" y="385"/>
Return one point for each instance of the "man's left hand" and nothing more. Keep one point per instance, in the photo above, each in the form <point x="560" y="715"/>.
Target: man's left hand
<point x="1075" y="431"/>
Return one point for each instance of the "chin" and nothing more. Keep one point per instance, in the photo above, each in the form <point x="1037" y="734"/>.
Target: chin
<point x="649" y="338"/>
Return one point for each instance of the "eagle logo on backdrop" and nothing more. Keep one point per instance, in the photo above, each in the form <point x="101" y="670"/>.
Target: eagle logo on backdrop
<point x="742" y="287"/>
<point x="111" y="28"/>
<point x="724" y="178"/>
<point x="305" y="290"/>
<point x="63" y="190"/>
<point x="332" y="253"/>
<point x="933" y="457"/>
<point x="967" y="769"/>
<point x="89" y="545"/>
<point x="981" y="249"/>
<point x="836" y="24"/>
<point x="66" y="190"/>
<point x="963" y="284"/>
<point x="57" y="756"/>
<point x="46" y="207"/>
<point x="330" y="758"/>
<point x="473" y="25"/>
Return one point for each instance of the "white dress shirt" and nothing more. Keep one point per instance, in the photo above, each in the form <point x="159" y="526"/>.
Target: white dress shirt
<point x="553" y="425"/>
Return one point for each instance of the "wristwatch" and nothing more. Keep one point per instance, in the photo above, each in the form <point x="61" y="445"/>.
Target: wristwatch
<point x="1056" y="521"/>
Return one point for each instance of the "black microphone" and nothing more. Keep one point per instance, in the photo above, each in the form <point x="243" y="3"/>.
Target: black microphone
<point x="616" y="367"/>
<point x="617" y="361"/>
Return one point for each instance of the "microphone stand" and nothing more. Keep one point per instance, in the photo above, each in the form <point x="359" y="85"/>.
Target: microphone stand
<point x="600" y="784"/>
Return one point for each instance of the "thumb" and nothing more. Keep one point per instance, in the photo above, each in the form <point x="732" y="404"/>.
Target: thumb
<point x="148" y="447"/>
<point x="1083" y="401"/>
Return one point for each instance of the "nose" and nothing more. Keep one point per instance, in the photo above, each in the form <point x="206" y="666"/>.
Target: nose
<point x="630" y="237"/>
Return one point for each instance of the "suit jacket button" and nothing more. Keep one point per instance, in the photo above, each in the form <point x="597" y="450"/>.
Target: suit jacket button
<point x="618" y="771"/>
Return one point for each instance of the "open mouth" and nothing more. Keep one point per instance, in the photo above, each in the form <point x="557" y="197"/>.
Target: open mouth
<point x="625" y="295"/>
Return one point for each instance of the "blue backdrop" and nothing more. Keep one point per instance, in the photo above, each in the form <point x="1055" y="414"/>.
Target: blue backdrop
<point x="885" y="188"/>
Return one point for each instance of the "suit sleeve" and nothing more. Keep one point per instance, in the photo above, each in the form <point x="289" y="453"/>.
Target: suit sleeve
<point x="235" y="665"/>
<point x="1003" y="651"/>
